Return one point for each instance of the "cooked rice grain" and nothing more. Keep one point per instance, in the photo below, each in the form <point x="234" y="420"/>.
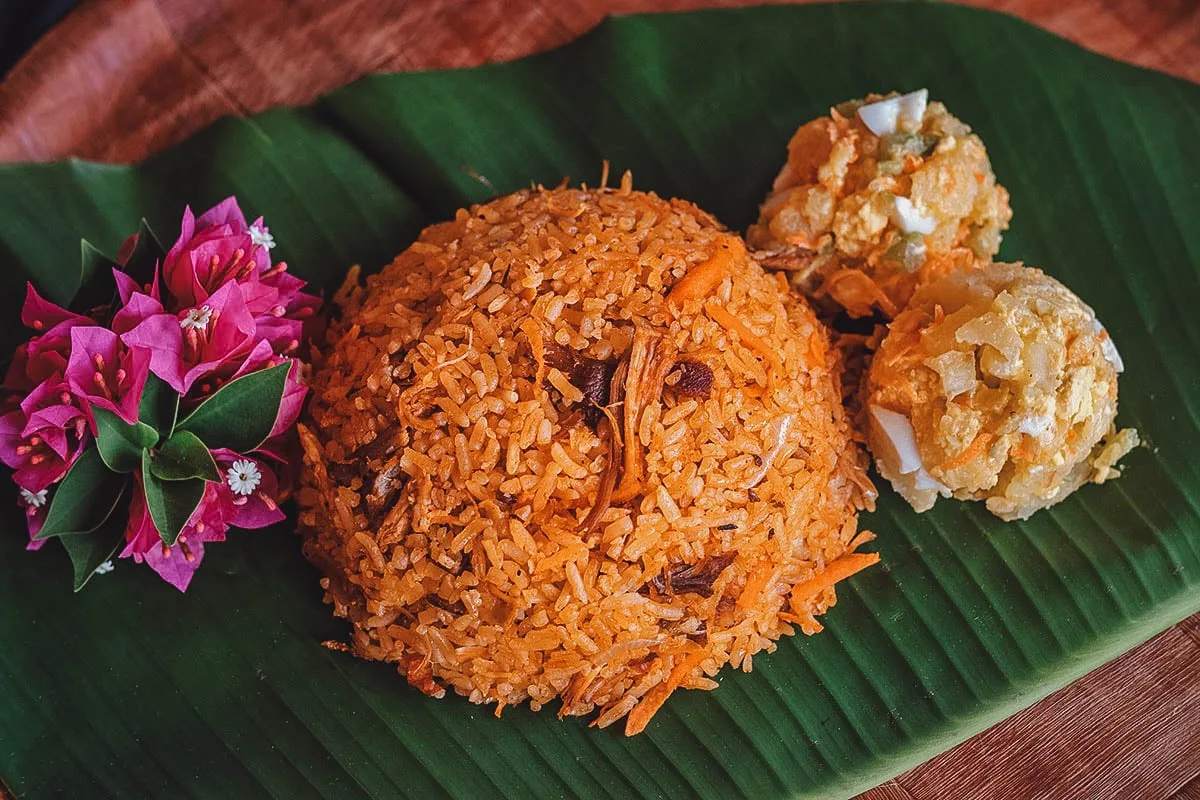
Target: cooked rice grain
<point x="453" y="454"/>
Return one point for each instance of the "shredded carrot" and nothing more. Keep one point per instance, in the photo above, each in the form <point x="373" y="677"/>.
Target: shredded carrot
<point x="956" y="259"/>
<point x="734" y="325"/>
<point x="706" y="276"/>
<point x="538" y="345"/>
<point x="649" y="705"/>
<point x="858" y="293"/>
<point x="755" y="585"/>
<point x="835" y="571"/>
<point x="816" y="350"/>
<point x="975" y="449"/>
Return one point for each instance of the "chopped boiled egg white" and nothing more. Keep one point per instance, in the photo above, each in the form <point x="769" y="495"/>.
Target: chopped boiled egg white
<point x="886" y="116"/>
<point x="909" y="218"/>
<point x="1108" y="347"/>
<point x="899" y="432"/>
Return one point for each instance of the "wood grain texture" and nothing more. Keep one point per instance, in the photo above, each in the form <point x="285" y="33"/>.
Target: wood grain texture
<point x="121" y="79"/>
<point x="1189" y="791"/>
<point x="1191" y="626"/>
<point x="892" y="790"/>
<point x="1130" y="729"/>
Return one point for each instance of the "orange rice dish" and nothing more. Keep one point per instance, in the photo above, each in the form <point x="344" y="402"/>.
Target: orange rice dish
<point x="577" y="447"/>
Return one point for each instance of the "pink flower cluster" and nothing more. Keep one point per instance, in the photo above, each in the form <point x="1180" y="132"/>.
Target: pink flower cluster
<point x="216" y="309"/>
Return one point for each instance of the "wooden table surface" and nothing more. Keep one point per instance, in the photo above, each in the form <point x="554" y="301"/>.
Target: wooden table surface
<point x="118" y="80"/>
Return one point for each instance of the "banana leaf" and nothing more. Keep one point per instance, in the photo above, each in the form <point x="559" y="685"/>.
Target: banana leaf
<point x="130" y="689"/>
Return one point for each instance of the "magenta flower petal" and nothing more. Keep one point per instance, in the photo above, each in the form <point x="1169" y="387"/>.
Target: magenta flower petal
<point x="17" y="377"/>
<point x="260" y="357"/>
<point x="34" y="504"/>
<point x="107" y="374"/>
<point x="127" y="248"/>
<point x="42" y="315"/>
<point x="11" y="426"/>
<point x="261" y="297"/>
<point x="137" y="308"/>
<point x="44" y="356"/>
<point x="177" y="273"/>
<point x="225" y="212"/>
<point x="161" y="335"/>
<point x="172" y="566"/>
<point x="42" y="439"/>
<point x="283" y="334"/>
<point x="248" y="492"/>
<point x="227" y="336"/>
<point x="292" y="402"/>
<point x="177" y="564"/>
<point x="140" y="533"/>
<point x="126" y="285"/>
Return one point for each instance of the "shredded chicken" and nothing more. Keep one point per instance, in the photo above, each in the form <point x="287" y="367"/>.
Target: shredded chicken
<point x="649" y="362"/>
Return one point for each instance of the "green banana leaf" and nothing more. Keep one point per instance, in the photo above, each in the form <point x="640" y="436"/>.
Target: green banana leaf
<point x="130" y="689"/>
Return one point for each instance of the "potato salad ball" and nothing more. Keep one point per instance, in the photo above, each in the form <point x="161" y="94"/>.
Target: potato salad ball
<point x="881" y="195"/>
<point x="995" y="384"/>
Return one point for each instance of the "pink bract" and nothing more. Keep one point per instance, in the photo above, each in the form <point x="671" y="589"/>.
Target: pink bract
<point x="44" y="356"/>
<point x="218" y="247"/>
<point x="178" y="563"/>
<point x="105" y="373"/>
<point x="41" y="439"/>
<point x="185" y="347"/>
<point x="255" y="510"/>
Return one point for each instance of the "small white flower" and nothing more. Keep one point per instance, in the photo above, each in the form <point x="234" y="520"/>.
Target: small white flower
<point x="105" y="568"/>
<point x="243" y="477"/>
<point x="196" y="319"/>
<point x="34" y="499"/>
<point x="261" y="236"/>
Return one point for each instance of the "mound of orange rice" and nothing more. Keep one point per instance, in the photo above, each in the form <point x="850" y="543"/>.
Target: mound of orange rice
<point x="575" y="445"/>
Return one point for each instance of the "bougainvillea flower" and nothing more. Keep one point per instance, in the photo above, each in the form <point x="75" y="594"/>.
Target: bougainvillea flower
<point x="34" y="506"/>
<point x="248" y="490"/>
<point x="292" y="401"/>
<point x="214" y="308"/>
<point x="178" y="563"/>
<point x="135" y="310"/>
<point x="41" y="439"/>
<point x="218" y="247"/>
<point x="44" y="356"/>
<point x="106" y="373"/>
<point x="187" y="345"/>
<point x="212" y="250"/>
<point x="127" y="286"/>
<point x="42" y="315"/>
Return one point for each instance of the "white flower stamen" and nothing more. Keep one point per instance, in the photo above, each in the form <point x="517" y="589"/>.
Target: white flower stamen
<point x="34" y="499"/>
<point x="243" y="477"/>
<point x="196" y="319"/>
<point x="261" y="237"/>
<point x="105" y="568"/>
